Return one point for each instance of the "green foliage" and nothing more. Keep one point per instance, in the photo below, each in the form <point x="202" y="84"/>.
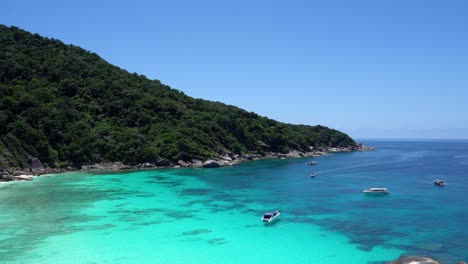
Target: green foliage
<point x="68" y="106"/>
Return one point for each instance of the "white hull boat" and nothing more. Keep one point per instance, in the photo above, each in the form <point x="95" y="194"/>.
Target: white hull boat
<point x="376" y="191"/>
<point x="439" y="182"/>
<point x="270" y="216"/>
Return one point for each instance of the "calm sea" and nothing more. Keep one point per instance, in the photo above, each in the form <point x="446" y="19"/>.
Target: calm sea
<point x="213" y="215"/>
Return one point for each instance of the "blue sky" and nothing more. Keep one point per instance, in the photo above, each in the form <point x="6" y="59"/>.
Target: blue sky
<point x="373" y="69"/>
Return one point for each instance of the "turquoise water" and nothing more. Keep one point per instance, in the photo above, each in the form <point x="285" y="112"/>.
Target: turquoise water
<point x="213" y="215"/>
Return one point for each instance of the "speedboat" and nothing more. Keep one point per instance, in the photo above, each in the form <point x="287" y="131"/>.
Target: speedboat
<point x="270" y="216"/>
<point x="312" y="163"/>
<point x="376" y="191"/>
<point x="439" y="182"/>
<point x="313" y="175"/>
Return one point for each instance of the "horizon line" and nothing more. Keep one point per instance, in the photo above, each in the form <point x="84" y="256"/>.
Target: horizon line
<point x="410" y="139"/>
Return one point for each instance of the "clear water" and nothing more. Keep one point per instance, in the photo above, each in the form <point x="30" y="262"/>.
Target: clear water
<point x="213" y="215"/>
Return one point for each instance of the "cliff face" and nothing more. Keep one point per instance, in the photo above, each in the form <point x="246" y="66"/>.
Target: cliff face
<point x="65" y="106"/>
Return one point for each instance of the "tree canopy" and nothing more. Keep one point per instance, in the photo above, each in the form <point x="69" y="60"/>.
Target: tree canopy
<point x="67" y="106"/>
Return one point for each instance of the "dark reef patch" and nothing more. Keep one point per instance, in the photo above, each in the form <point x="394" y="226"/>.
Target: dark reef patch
<point x="146" y="195"/>
<point x="197" y="202"/>
<point x="196" y="232"/>
<point x="142" y="212"/>
<point x="217" y="241"/>
<point x="179" y="215"/>
<point x="90" y="227"/>
<point x="196" y="192"/>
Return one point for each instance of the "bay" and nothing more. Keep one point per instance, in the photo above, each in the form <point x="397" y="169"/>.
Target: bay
<point x="213" y="215"/>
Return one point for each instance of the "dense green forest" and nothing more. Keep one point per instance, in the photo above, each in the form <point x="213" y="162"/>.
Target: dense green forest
<point x="68" y="107"/>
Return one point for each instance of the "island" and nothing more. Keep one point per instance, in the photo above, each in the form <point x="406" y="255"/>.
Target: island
<point x="65" y="108"/>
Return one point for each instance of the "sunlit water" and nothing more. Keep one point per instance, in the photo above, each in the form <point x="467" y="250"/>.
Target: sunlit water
<point x="213" y="215"/>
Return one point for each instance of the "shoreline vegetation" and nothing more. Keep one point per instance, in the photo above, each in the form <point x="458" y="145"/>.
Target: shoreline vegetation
<point x="65" y="108"/>
<point x="223" y="160"/>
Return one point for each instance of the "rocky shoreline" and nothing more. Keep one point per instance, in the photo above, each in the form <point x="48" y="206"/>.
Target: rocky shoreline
<point x="36" y="167"/>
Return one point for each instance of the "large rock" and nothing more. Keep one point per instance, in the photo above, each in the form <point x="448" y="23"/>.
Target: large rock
<point x="197" y="163"/>
<point x="293" y="154"/>
<point x="163" y="163"/>
<point x="182" y="163"/>
<point x="90" y="167"/>
<point x="24" y="178"/>
<point x="248" y="157"/>
<point x="106" y="166"/>
<point x="18" y="173"/>
<point x="223" y="163"/>
<point x="333" y="150"/>
<point x="6" y="178"/>
<point x="362" y="147"/>
<point x="226" y="158"/>
<point x="36" y="165"/>
<point x="414" y="260"/>
<point x="5" y="171"/>
<point x="146" y="165"/>
<point x="211" y="164"/>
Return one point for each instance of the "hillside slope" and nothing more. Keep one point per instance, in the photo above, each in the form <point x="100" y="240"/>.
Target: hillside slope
<point x="68" y="107"/>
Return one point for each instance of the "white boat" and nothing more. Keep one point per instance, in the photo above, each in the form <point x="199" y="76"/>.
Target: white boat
<point x="312" y="163"/>
<point x="313" y="175"/>
<point x="376" y="191"/>
<point x="270" y="216"/>
<point x="439" y="182"/>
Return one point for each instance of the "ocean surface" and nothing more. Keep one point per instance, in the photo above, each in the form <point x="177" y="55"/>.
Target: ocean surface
<point x="213" y="215"/>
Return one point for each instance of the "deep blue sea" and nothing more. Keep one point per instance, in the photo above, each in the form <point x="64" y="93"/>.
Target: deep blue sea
<point x="213" y="215"/>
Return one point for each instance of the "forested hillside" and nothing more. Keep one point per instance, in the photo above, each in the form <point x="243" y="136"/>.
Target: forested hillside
<point x="68" y="107"/>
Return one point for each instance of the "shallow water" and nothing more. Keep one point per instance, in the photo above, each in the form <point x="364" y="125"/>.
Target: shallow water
<point x="213" y="215"/>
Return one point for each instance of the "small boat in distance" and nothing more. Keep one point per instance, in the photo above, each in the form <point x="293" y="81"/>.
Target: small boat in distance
<point x="313" y="175"/>
<point x="376" y="191"/>
<point x="439" y="182"/>
<point x="270" y="216"/>
<point x="312" y="163"/>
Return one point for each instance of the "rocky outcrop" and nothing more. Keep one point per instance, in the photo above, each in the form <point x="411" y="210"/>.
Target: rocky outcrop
<point x="163" y="163"/>
<point x="12" y="177"/>
<point x="211" y="164"/>
<point x="414" y="260"/>
<point x="341" y="149"/>
<point x="4" y="172"/>
<point x="146" y="165"/>
<point x="107" y="166"/>
<point x="251" y="156"/>
<point x="183" y="164"/>
<point x="293" y="154"/>
<point x="24" y="177"/>
<point x="224" y="163"/>
<point x="197" y="163"/>
<point x="362" y="147"/>
<point x="36" y="164"/>
<point x="225" y="158"/>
